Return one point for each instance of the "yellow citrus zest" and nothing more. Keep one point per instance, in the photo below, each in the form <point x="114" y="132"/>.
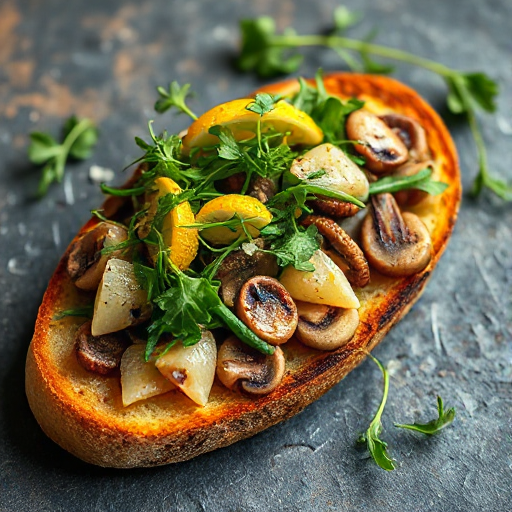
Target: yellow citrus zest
<point x="242" y="123"/>
<point x="182" y="242"/>
<point x="223" y="208"/>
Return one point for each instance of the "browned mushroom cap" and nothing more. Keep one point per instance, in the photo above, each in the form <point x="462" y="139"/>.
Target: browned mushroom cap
<point x="86" y="264"/>
<point x="411" y="196"/>
<point x="325" y="327"/>
<point x="411" y="133"/>
<point x="266" y="307"/>
<point x="395" y="244"/>
<point x="358" y="272"/>
<point x="240" y="266"/>
<point x="380" y="145"/>
<point x="333" y="207"/>
<point x="240" y="366"/>
<point x="261" y="188"/>
<point x="99" y="354"/>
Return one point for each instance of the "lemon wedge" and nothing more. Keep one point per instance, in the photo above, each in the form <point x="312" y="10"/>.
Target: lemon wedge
<point x="223" y="208"/>
<point x="182" y="242"/>
<point x="242" y="123"/>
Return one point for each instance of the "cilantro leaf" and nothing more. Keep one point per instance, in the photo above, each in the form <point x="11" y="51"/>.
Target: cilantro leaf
<point x="79" y="138"/>
<point x="228" y="147"/>
<point x="376" y="446"/>
<point x="432" y="427"/>
<point x="296" y="248"/>
<point x="263" y="103"/>
<point x="258" y="53"/>
<point x="175" y="97"/>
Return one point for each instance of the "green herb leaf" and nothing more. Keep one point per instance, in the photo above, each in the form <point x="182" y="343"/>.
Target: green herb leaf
<point x="228" y="147"/>
<point x="84" y="141"/>
<point x="296" y="248"/>
<point x="86" y="312"/>
<point x="433" y="427"/>
<point x="344" y="18"/>
<point x="376" y="446"/>
<point x="263" y="103"/>
<point x="258" y="53"/>
<point x="175" y="97"/>
<point x="420" y="181"/>
<point x="80" y="136"/>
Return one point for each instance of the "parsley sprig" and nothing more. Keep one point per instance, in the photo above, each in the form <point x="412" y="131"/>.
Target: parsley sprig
<point x="79" y="138"/>
<point x="268" y="54"/>
<point x="174" y="98"/>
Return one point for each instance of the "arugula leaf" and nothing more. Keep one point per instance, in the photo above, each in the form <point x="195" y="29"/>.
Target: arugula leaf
<point x="434" y="426"/>
<point x="263" y="103"/>
<point x="79" y="137"/>
<point x="376" y="446"/>
<point x="421" y="181"/>
<point x="258" y="53"/>
<point x="175" y="97"/>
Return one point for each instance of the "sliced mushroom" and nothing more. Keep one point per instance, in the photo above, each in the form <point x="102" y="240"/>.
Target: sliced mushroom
<point x="411" y="133"/>
<point x="99" y="354"/>
<point x="358" y="272"/>
<point x="382" y="148"/>
<point x="120" y="300"/>
<point x="325" y="327"/>
<point x="340" y="173"/>
<point x="85" y="263"/>
<point x="265" y="306"/>
<point x="411" y="196"/>
<point x="239" y="366"/>
<point x="333" y="207"/>
<point x="396" y="244"/>
<point x="240" y="266"/>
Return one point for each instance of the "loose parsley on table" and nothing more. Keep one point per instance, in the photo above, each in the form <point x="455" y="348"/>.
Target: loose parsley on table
<point x="79" y="138"/>
<point x="268" y="54"/>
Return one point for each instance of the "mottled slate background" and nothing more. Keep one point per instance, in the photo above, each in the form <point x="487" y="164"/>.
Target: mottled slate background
<point x="103" y="59"/>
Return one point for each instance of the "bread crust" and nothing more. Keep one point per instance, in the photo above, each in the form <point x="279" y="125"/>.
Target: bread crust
<point x="83" y="412"/>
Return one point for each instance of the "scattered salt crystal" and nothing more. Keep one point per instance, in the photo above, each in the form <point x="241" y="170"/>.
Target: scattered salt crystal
<point x="32" y="250"/>
<point x="99" y="174"/>
<point x="16" y="268"/>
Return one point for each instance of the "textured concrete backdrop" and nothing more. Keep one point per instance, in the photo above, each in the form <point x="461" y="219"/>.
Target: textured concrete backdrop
<point x="103" y="59"/>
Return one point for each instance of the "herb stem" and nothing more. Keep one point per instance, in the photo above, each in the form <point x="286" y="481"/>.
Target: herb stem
<point x="334" y="42"/>
<point x="385" y="374"/>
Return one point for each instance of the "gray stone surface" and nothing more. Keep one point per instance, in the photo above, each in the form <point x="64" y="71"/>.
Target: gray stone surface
<point x="103" y="59"/>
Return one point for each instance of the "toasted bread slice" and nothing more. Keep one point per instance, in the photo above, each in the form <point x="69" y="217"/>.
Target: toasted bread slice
<point x="83" y="412"/>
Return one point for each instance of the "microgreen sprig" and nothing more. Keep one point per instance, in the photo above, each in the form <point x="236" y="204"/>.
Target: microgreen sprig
<point x="376" y="446"/>
<point x="421" y="181"/>
<point x="267" y="53"/>
<point x="79" y="138"/>
<point x="436" y="425"/>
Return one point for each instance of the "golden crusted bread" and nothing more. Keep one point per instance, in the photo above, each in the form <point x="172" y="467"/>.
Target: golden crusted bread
<point x="83" y="412"/>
